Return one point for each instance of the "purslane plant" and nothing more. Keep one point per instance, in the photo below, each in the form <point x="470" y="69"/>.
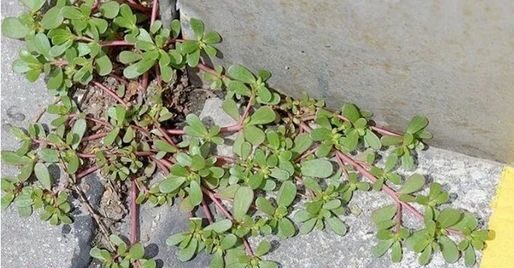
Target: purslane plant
<point x="295" y="168"/>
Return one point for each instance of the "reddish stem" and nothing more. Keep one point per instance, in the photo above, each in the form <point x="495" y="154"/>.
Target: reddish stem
<point x="246" y="111"/>
<point x="110" y="92"/>
<point x="133" y="213"/>
<point x="175" y="131"/>
<point x="95" y="136"/>
<point x="116" y="43"/>
<point x="86" y="172"/>
<point x="218" y="203"/>
<point x="167" y="137"/>
<point x="155" y="8"/>
<point x="207" y="211"/>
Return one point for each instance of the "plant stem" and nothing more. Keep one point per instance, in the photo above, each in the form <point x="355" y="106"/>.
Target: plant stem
<point x="133" y="213"/>
<point x="94" y="136"/>
<point x="110" y="92"/>
<point x="155" y="8"/>
<point x="207" y="211"/>
<point x="87" y="171"/>
<point x="246" y="111"/>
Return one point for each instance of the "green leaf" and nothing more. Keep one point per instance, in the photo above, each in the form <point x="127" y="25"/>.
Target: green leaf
<point x="240" y="73"/>
<point x="98" y="253"/>
<point x="116" y="240"/>
<point x="425" y="256"/>
<point x="230" y="107"/>
<point x="263" y="115"/>
<point x="34" y="5"/>
<point x="263" y="248"/>
<point x="321" y="134"/>
<point x="111" y="137"/>
<point x="193" y="58"/>
<point x="164" y="146"/>
<point x="137" y="251"/>
<point x="175" y="239"/>
<point x="254" y="134"/>
<point x="413" y="184"/>
<point x="220" y="226"/>
<point x="337" y="225"/>
<point x="41" y="44"/>
<point x="238" y="87"/>
<point x="52" y="18"/>
<point x="267" y="264"/>
<point x="188" y="253"/>
<point x="416" y="124"/>
<point x="308" y="225"/>
<point x="391" y="140"/>
<point x="12" y="158"/>
<point x="110" y="9"/>
<point x="43" y="175"/>
<point x="449" y="217"/>
<point x="197" y="26"/>
<point x="469" y="256"/>
<point x="372" y="140"/>
<point x="312" y="185"/>
<point x="383" y="213"/>
<point x="286" y="228"/>
<point x="212" y="38"/>
<point x="195" y="193"/>
<point x="127" y="57"/>
<point x="49" y="155"/>
<point x="265" y="206"/>
<point x="286" y="194"/>
<point x="449" y="249"/>
<point x="382" y="247"/>
<point x="148" y="264"/>
<point x="351" y="112"/>
<point x="242" y="202"/>
<point x="195" y="126"/>
<point x="396" y="252"/>
<point x="71" y="12"/>
<point x="103" y="65"/>
<point x="13" y="28"/>
<point x="171" y="184"/>
<point x="79" y="129"/>
<point x="302" y="142"/>
<point x="319" y="168"/>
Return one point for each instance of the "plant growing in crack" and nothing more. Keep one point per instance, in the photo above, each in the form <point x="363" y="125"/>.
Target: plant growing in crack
<point x="295" y="168"/>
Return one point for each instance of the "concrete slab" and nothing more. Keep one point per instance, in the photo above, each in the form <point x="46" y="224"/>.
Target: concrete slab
<point x="448" y="60"/>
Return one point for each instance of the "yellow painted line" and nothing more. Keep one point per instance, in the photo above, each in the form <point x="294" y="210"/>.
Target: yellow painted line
<point x="499" y="252"/>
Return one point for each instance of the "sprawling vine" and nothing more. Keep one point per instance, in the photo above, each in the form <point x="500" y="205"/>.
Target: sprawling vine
<point x="295" y="167"/>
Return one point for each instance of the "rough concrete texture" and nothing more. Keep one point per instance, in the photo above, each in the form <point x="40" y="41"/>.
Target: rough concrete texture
<point x="451" y="61"/>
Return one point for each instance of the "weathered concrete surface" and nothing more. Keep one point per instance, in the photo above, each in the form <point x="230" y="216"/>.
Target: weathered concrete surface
<point x="449" y="60"/>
